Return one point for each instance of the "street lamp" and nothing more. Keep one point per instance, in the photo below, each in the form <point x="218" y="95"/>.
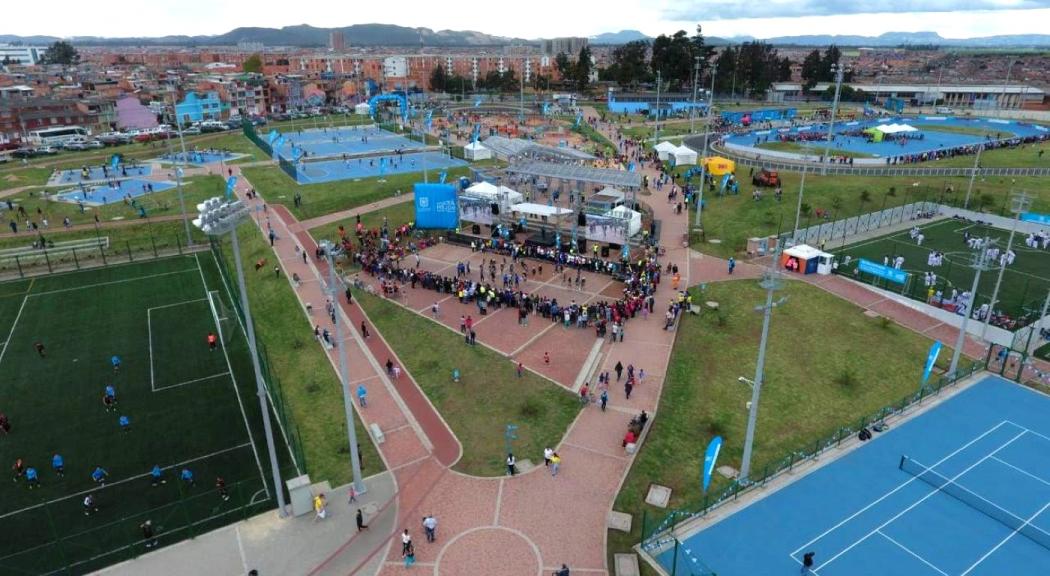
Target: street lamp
<point x="178" y="170"/>
<point x="218" y="217"/>
<point x="979" y="264"/>
<point x="692" y="115"/>
<point x="330" y="251"/>
<point x="1019" y="205"/>
<point x="707" y="142"/>
<point x="1009" y="69"/>
<point x="839" y="70"/>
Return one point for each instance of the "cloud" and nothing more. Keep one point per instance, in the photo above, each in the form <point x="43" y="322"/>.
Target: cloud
<point x="686" y="10"/>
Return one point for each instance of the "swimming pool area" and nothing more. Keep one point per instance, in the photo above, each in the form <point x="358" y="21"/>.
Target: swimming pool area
<point x="331" y="170"/>
<point x="100" y="195"/>
<point x="100" y="173"/>
<point x="932" y="134"/>
<point x="349" y="140"/>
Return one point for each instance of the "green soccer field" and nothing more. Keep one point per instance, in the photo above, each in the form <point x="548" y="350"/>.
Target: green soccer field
<point x="1025" y="282"/>
<point x="189" y="407"/>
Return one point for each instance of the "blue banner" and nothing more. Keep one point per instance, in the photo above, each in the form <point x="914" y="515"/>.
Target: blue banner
<point x="710" y="458"/>
<point x="546" y="108"/>
<point x="382" y="166"/>
<point x="630" y="167"/>
<point x="278" y="143"/>
<point x="1036" y="218"/>
<point x="429" y="123"/>
<point x="436" y="206"/>
<point x="885" y="272"/>
<point x="231" y="183"/>
<point x="114" y="161"/>
<point x="477" y="132"/>
<point x="579" y="116"/>
<point x="931" y="359"/>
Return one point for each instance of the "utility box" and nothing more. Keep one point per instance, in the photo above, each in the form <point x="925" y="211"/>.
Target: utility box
<point x="299" y="494"/>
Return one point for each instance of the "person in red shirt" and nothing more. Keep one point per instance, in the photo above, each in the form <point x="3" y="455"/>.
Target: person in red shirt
<point x="213" y="341"/>
<point x="629" y="438"/>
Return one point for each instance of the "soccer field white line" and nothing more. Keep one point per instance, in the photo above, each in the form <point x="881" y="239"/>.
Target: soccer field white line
<point x="194" y="381"/>
<point x="912" y="552"/>
<point x="13" y="325"/>
<point x="121" y="281"/>
<point x="233" y="382"/>
<point x="122" y="481"/>
<point x="149" y="331"/>
<point x="921" y="500"/>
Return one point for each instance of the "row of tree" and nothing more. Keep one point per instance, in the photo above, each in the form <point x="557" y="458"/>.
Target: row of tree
<point x="817" y="67"/>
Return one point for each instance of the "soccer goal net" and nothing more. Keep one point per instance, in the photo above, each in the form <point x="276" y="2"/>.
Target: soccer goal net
<point x="225" y="318"/>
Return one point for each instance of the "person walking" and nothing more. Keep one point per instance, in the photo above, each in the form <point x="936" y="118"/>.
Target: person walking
<point x="732" y="265"/>
<point x="406" y="542"/>
<point x="628" y="386"/>
<point x="512" y="462"/>
<point x="548" y="453"/>
<point x="604" y="399"/>
<point x="364" y="330"/>
<point x="362" y="396"/>
<point x="430" y="525"/>
<point x="361" y="521"/>
<point x="619" y="370"/>
<point x="555" y="464"/>
<point x="807" y="563"/>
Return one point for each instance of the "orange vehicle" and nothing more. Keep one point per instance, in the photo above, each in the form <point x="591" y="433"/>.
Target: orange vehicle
<point x="765" y="177"/>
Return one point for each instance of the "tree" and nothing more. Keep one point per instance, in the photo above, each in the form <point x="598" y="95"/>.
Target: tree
<point x="438" y="79"/>
<point x="61" y="52"/>
<point x="629" y="66"/>
<point x="673" y="58"/>
<point x="564" y="66"/>
<point x="582" y="71"/>
<point x="509" y="81"/>
<point x="253" y="64"/>
<point x="758" y="67"/>
<point x="726" y="69"/>
<point x="811" y="70"/>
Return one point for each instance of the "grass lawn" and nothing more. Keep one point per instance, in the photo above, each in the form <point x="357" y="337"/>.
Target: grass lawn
<point x="155" y="316"/>
<point x="16" y="176"/>
<point x="396" y="215"/>
<point x="796" y="148"/>
<point x="319" y="199"/>
<point x="667" y="130"/>
<point x="488" y="397"/>
<point x="964" y="130"/>
<point x="598" y="139"/>
<point x="309" y="385"/>
<point x="807" y="395"/>
<point x="1024" y="285"/>
<point x="733" y="219"/>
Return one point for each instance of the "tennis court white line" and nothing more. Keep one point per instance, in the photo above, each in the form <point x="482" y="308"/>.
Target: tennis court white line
<point x="194" y="381"/>
<point x="1022" y="471"/>
<point x="124" y="481"/>
<point x="122" y="281"/>
<point x="13" y="326"/>
<point x="899" y="487"/>
<point x="236" y="392"/>
<point x="1030" y="431"/>
<point x="910" y="551"/>
<point x="923" y="499"/>
<point x="1005" y="540"/>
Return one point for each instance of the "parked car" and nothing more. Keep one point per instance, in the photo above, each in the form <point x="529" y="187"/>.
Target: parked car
<point x="24" y="153"/>
<point x="93" y="145"/>
<point x="191" y="131"/>
<point x="767" y="178"/>
<point x="75" y="145"/>
<point x="49" y="150"/>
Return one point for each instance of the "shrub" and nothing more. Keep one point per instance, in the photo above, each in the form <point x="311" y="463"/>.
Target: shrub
<point x="530" y="408"/>
<point x="847" y="377"/>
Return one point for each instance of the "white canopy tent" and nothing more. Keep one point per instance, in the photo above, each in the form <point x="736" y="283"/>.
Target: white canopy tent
<point x="665" y="148"/>
<point x="362" y="109"/>
<point x="683" y="156"/>
<point x="506" y="197"/>
<point x="896" y="128"/>
<point x="635" y="218"/>
<point x="476" y="151"/>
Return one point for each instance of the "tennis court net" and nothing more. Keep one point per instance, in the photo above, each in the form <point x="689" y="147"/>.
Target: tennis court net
<point x="974" y="500"/>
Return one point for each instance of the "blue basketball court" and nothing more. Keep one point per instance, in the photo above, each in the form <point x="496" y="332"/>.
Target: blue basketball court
<point x="973" y="498"/>
<point x="200" y="157"/>
<point x="330" y="170"/>
<point x="349" y="140"/>
<point x="106" y="194"/>
<point x="98" y="174"/>
<point x="931" y="138"/>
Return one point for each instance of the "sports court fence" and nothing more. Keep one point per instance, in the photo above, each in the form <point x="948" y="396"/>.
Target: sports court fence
<point x="95" y="252"/>
<point x="251" y="134"/>
<point x="829" y="231"/>
<point x="67" y="550"/>
<point x="274" y="388"/>
<point x="659" y="535"/>
<point x="288" y="168"/>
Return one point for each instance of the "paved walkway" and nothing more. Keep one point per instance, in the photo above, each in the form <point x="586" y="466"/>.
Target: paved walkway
<point x="351" y="212"/>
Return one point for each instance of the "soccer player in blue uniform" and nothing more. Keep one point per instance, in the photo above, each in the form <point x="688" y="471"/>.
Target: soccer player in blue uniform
<point x="125" y="424"/>
<point x="187" y="476"/>
<point x="156" y="476"/>
<point x="115" y="361"/>
<point x="99" y="475"/>
<point x="58" y="464"/>
<point x="31" y="478"/>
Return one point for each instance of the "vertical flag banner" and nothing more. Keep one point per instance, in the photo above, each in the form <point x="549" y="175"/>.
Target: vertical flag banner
<point x="443" y="176"/>
<point x="430" y="120"/>
<point x="382" y="165"/>
<point x="114" y="161"/>
<point x="630" y="167"/>
<point x="579" y="116"/>
<point x="931" y="359"/>
<point x="231" y="183"/>
<point x="710" y="458"/>
<point x="272" y="136"/>
<point x="477" y="102"/>
<point x="546" y="108"/>
<point x="477" y="132"/>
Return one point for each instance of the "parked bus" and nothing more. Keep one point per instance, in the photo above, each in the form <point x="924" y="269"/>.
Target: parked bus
<point x="58" y="135"/>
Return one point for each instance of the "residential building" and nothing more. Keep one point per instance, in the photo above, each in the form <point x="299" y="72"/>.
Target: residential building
<point x="336" y="42"/>
<point x="22" y="55"/>
<point x="197" y="107"/>
<point x="20" y="116"/>
<point x="569" y="46"/>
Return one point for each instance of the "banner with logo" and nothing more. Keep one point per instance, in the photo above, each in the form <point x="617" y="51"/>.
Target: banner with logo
<point x="710" y="459"/>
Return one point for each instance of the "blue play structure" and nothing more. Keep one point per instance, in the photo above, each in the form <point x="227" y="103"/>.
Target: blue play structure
<point x="765" y="115"/>
<point x="109" y="194"/>
<point x="972" y="497"/>
<point x="389" y="97"/>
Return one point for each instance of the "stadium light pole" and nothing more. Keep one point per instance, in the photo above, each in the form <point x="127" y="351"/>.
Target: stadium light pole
<point x="656" y="127"/>
<point x="1002" y="103"/>
<point x="178" y="170"/>
<point x="1019" y="204"/>
<point x="696" y="76"/>
<point x="973" y="176"/>
<point x="839" y="70"/>
<point x="219" y="217"/>
<point x="798" y="207"/>
<point x="980" y="264"/>
<point x="330" y="250"/>
<point x="772" y="282"/>
<point x="707" y="142"/>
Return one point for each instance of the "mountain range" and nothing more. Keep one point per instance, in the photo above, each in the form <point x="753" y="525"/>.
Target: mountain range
<point x="393" y="35"/>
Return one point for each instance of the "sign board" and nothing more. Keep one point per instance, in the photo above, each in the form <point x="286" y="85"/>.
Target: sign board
<point x="885" y="272"/>
<point x="436" y="206"/>
<point x="1035" y="218"/>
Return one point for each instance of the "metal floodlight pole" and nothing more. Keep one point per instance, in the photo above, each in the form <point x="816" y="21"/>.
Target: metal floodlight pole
<point x="260" y="386"/>
<point x="973" y="176"/>
<point x="178" y="171"/>
<point x="707" y="142"/>
<point x="1020" y="204"/>
<point x="839" y="71"/>
<point x="979" y="264"/>
<point x="1002" y="104"/>
<point x="344" y="371"/>
<point x="798" y="208"/>
<point x="656" y="128"/>
<point x="696" y="76"/>
<point x="771" y="283"/>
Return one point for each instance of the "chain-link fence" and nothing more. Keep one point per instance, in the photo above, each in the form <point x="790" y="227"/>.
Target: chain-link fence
<point x="52" y="257"/>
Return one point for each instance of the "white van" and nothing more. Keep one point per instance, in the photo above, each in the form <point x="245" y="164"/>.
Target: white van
<point x="944" y="110"/>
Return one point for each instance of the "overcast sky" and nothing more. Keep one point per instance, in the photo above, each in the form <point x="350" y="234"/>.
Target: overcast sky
<point x="535" y="18"/>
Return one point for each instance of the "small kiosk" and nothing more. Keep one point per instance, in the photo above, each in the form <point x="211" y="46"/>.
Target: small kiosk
<point x="806" y="259"/>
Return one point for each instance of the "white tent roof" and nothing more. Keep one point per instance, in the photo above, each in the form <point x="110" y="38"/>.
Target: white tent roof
<point x="805" y="252"/>
<point x="665" y="146"/>
<point x="539" y="209"/>
<point x="475" y="146"/>
<point x="895" y="128"/>
<point x="683" y="149"/>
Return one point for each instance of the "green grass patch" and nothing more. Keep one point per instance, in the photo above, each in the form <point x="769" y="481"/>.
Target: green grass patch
<point x="488" y="397"/>
<point x="971" y="130"/>
<point x="796" y="148"/>
<point x="1026" y="156"/>
<point x="805" y="398"/>
<point x="16" y="177"/>
<point x="394" y="215"/>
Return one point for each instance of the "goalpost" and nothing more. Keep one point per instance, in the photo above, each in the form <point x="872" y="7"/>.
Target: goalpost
<point x="224" y="317"/>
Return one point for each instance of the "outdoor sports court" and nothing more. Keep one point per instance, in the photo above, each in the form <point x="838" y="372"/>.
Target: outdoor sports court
<point x="974" y="499"/>
<point x="329" y="170"/>
<point x="349" y="140"/>
<point x="105" y="194"/>
<point x="97" y="174"/>
<point x="932" y="139"/>
<point x="189" y="407"/>
<point x="200" y="158"/>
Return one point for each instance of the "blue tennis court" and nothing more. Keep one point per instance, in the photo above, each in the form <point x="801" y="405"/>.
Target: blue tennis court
<point x="100" y="173"/>
<point x="200" y="157"/>
<point x="106" y="194"/>
<point x="349" y="140"/>
<point x="973" y="498"/>
<point x="927" y="138"/>
<point x="329" y="170"/>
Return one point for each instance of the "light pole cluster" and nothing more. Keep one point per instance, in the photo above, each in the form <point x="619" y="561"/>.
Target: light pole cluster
<point x="217" y="218"/>
<point x="838" y="70"/>
<point x="979" y="264"/>
<point x="707" y="143"/>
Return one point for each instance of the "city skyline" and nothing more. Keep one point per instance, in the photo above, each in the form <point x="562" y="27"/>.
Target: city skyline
<point x="547" y="18"/>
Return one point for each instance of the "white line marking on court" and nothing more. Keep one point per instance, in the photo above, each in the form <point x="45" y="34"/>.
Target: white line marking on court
<point x="891" y="492"/>
<point x="174" y="304"/>
<point x="924" y="498"/>
<point x="910" y="551"/>
<point x="124" y="481"/>
<point x="149" y="331"/>
<point x="13" y="325"/>
<point x="1005" y="540"/>
<point x="122" y="281"/>
<point x="194" y="381"/>
<point x="240" y="549"/>
<point x="1033" y="432"/>
<point x="236" y="392"/>
<point x="1022" y="471"/>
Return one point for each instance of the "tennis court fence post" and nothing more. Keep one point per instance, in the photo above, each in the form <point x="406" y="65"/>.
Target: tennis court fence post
<point x="47" y="259"/>
<point x="18" y="263"/>
<point x="127" y="244"/>
<point x="674" y="561"/>
<point x="76" y="262"/>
